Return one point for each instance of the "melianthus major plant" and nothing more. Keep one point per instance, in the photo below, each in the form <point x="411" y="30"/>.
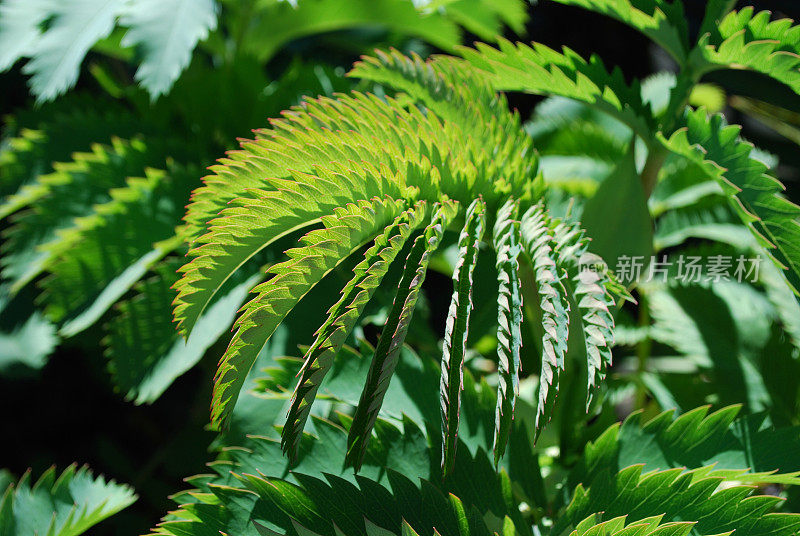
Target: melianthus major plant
<point x="431" y="171"/>
<point x="355" y="163"/>
<point x="363" y="166"/>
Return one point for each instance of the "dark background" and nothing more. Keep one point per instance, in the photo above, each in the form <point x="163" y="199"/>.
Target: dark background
<point x="68" y="412"/>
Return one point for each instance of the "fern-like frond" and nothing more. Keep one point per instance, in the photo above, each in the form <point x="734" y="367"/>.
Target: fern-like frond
<point x="649" y="526"/>
<point x="387" y="352"/>
<point x="741" y="449"/>
<point x="537" y="239"/>
<point x="324" y="505"/>
<point x="364" y="128"/>
<point x="461" y="96"/>
<point x="590" y="281"/>
<point x="507" y="240"/>
<point x="457" y="329"/>
<point x="19" y="28"/>
<point x="367" y="276"/>
<point x="446" y="139"/>
<point x="167" y="32"/>
<point x="395" y="461"/>
<point x="755" y="195"/>
<point x="321" y="250"/>
<point x="60" y="505"/>
<point x="68" y="193"/>
<point x="412" y="395"/>
<point x="541" y="70"/>
<point x="261" y="209"/>
<point x="745" y="39"/>
<point x="57" y="54"/>
<point x="661" y="20"/>
<point x="677" y="495"/>
<point x="94" y="262"/>
<point x="49" y="135"/>
<point x="145" y="352"/>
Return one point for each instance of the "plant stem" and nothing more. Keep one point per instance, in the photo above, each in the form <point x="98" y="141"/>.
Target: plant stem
<point x="643" y="350"/>
<point x="678" y="100"/>
<point x="655" y="159"/>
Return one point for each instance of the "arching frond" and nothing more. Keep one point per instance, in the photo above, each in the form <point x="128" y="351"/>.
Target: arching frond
<point x="273" y="209"/>
<point x="387" y="352"/>
<point x="50" y="135"/>
<point x="537" y="239"/>
<point x="649" y="526"/>
<point x="246" y="490"/>
<point x="677" y="495"/>
<point x="96" y="261"/>
<point x="447" y="138"/>
<point x="507" y="241"/>
<point x="541" y="70"/>
<point x="347" y="229"/>
<point x="755" y="195"/>
<point x="68" y="193"/>
<point x="590" y="281"/>
<point x="741" y="450"/>
<point x="367" y="276"/>
<point x="457" y="329"/>
<point x="745" y="39"/>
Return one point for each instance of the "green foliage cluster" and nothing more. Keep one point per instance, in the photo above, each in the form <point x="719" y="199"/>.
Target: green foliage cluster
<point x="341" y="405"/>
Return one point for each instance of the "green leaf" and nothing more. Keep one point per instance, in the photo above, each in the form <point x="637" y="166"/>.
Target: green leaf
<point x="744" y="450"/>
<point x="461" y="96"/>
<point x="484" y="18"/>
<point x="321" y="250"/>
<point x="590" y="281"/>
<point x="509" y="322"/>
<point x="342" y="317"/>
<point x="395" y="460"/>
<point x="677" y="495"/>
<point x="70" y="192"/>
<point x="537" y="239"/>
<point x="755" y="196"/>
<point x="19" y="28"/>
<point x="747" y="40"/>
<point x="27" y="345"/>
<point x="543" y="71"/>
<point x="306" y="162"/>
<point x="167" y="32"/>
<point x="145" y="352"/>
<point x="51" y="134"/>
<point x="394" y="332"/>
<point x="617" y="219"/>
<point x="61" y="505"/>
<point x="275" y="25"/>
<point x="715" y="11"/>
<point x="650" y="526"/>
<point x="98" y="259"/>
<point x="457" y="329"/>
<point x="271" y="209"/>
<point x="57" y="55"/>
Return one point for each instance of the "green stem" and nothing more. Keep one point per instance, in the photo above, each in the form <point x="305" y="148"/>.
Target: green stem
<point x="643" y="350"/>
<point x="655" y="159"/>
<point x="678" y="100"/>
